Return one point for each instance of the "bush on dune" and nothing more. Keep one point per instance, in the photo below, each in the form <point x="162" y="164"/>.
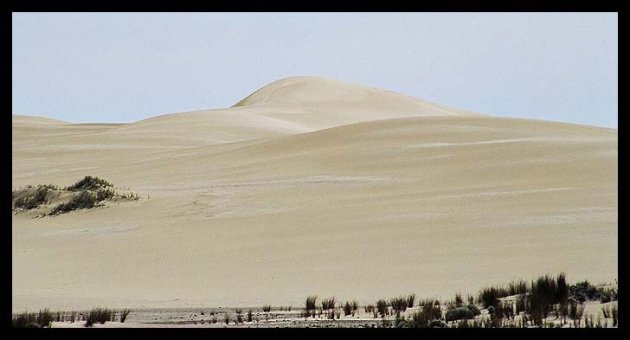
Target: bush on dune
<point x="33" y="200"/>
<point x="459" y="313"/>
<point x="89" y="183"/>
<point x="83" y="200"/>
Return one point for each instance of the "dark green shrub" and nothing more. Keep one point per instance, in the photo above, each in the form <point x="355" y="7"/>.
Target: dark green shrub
<point x="431" y="309"/>
<point x="459" y="313"/>
<point x="458" y="300"/>
<point x="488" y="297"/>
<point x="562" y="290"/>
<point x="398" y="305"/>
<point x="328" y="303"/>
<point x="33" y="200"/>
<point x="347" y="309"/>
<point x="267" y="308"/>
<point x="25" y="320"/>
<point x="517" y="287"/>
<point x="543" y="295"/>
<point x="104" y="194"/>
<point x="355" y="306"/>
<point x="82" y="200"/>
<point x="89" y="183"/>
<point x="411" y="298"/>
<point x="44" y="318"/>
<point x="473" y="309"/>
<point x="583" y="291"/>
<point x="310" y="305"/>
<point x="100" y="315"/>
<point x="381" y="307"/>
<point x="418" y="320"/>
<point x="607" y="295"/>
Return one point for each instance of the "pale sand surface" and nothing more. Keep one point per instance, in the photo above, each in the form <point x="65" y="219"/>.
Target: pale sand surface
<point x="310" y="186"/>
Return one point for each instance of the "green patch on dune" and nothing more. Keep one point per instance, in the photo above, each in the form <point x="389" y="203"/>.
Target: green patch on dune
<point x="87" y="193"/>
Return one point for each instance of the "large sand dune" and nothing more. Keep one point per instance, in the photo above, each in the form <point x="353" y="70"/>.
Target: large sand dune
<point x="311" y="186"/>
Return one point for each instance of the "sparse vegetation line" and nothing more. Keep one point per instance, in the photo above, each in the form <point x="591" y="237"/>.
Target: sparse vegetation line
<point x="547" y="302"/>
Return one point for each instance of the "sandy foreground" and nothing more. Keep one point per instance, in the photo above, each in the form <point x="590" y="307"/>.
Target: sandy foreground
<point x="311" y="186"/>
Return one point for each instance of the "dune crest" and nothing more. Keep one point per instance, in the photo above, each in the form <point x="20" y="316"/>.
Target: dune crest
<point x="316" y="94"/>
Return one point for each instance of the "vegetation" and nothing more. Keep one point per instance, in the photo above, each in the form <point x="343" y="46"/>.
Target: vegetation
<point x="575" y="312"/>
<point x="33" y="320"/>
<point x="33" y="200"/>
<point x="381" y="307"/>
<point x="89" y="183"/>
<point x="355" y="306"/>
<point x="517" y="287"/>
<point x="226" y="318"/>
<point x="490" y="296"/>
<point x="328" y="304"/>
<point x="459" y="313"/>
<point x="399" y="305"/>
<point x="546" y="292"/>
<point x="100" y="315"/>
<point x="611" y="312"/>
<point x="104" y="194"/>
<point x="123" y="315"/>
<point x="347" y="309"/>
<point x="310" y="305"/>
<point x="614" y="314"/>
<point x="585" y="291"/>
<point x="458" y="300"/>
<point x="86" y="193"/>
<point x="431" y="309"/>
<point x="410" y="300"/>
<point x="548" y="302"/>
<point x="84" y="200"/>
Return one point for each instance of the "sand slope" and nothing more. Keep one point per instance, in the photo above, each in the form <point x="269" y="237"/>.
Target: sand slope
<point x="310" y="186"/>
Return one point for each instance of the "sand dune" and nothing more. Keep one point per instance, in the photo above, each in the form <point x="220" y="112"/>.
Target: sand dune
<point x="25" y="120"/>
<point x="311" y="186"/>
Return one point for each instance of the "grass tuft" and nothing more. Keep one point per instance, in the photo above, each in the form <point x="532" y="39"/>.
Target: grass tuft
<point x="381" y="307"/>
<point x="123" y="314"/>
<point x="310" y="305"/>
<point x="100" y="315"/>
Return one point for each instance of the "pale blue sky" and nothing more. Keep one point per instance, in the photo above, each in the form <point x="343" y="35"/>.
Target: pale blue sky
<point x="123" y="67"/>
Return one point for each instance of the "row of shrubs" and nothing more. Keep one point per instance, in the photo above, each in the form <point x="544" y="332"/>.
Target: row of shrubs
<point x="44" y="318"/>
<point x="538" y="300"/>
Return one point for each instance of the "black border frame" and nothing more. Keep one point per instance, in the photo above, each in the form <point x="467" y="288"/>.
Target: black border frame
<point x="288" y="6"/>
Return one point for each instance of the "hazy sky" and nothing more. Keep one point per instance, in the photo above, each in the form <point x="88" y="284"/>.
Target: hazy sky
<point x="123" y="67"/>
